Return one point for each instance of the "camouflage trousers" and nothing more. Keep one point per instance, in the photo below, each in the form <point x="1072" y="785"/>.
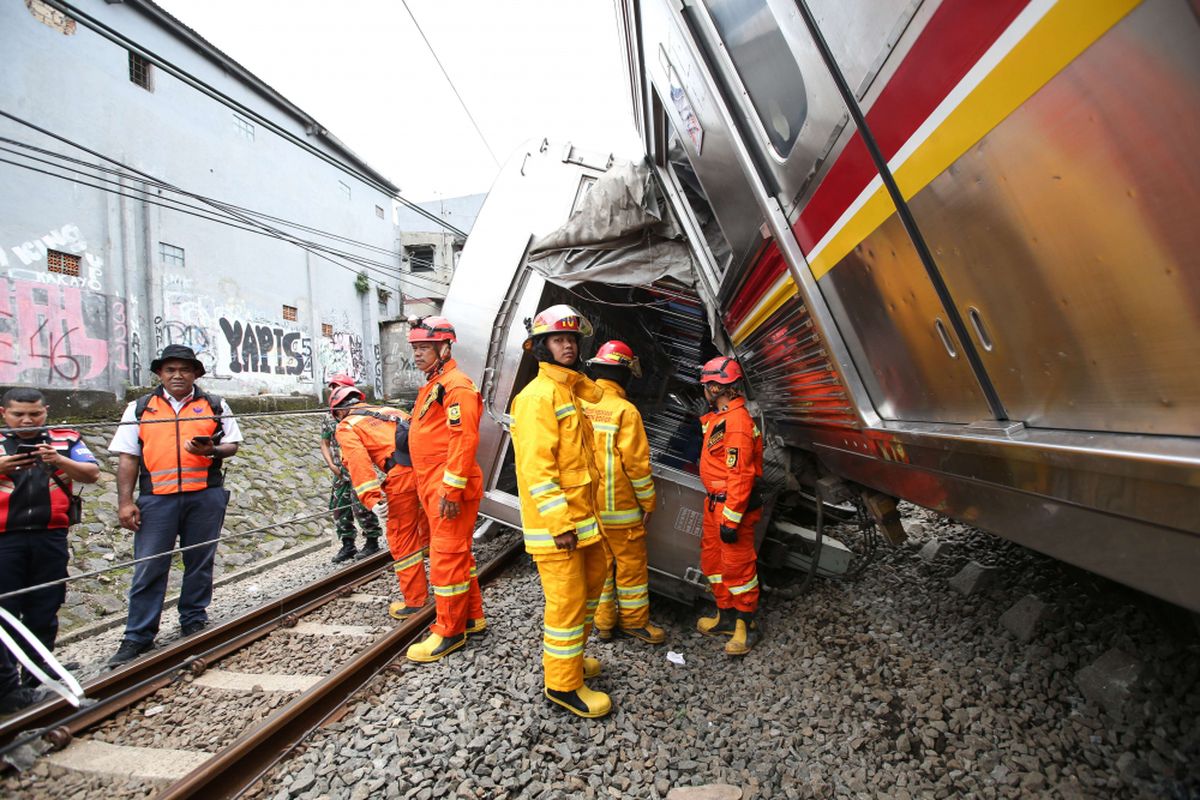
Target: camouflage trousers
<point x="342" y="494"/>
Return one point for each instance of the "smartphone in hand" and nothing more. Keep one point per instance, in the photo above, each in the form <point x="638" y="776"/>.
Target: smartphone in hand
<point x="27" y="448"/>
<point x="202" y="441"/>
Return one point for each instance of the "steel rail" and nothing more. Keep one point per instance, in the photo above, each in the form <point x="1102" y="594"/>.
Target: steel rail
<point x="236" y="768"/>
<point x="58" y="721"/>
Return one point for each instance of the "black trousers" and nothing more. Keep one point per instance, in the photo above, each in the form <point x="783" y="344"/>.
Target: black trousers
<point x="28" y="558"/>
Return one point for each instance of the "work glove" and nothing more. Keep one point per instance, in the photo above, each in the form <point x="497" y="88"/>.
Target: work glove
<point x="728" y="534"/>
<point x="381" y="509"/>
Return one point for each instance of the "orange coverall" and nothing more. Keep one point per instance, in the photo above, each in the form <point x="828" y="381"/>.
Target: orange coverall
<point x="442" y="440"/>
<point x="366" y="443"/>
<point x="730" y="460"/>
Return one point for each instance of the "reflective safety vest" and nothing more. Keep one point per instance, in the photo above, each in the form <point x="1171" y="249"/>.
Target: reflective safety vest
<point x="556" y="467"/>
<point x="166" y="467"/>
<point x="368" y="439"/>
<point x="625" y="492"/>
<point x="30" y="500"/>
<point x="732" y="457"/>
<point x="445" y="434"/>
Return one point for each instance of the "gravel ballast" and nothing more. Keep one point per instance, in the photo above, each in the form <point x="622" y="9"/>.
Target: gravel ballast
<point x="894" y="685"/>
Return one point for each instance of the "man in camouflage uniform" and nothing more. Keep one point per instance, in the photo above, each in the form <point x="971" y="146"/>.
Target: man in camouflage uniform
<point x="343" y="501"/>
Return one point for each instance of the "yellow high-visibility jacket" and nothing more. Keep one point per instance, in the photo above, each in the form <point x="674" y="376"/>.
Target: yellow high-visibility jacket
<point x="625" y="492"/>
<point x="556" y="469"/>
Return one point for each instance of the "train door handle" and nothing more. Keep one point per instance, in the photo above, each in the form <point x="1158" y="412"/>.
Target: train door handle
<point x="944" y="335"/>
<point x="981" y="332"/>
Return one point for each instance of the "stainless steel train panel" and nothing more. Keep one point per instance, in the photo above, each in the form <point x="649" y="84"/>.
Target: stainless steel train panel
<point x="898" y="333"/>
<point x="1069" y="240"/>
<point x="1120" y="506"/>
<point x="862" y="34"/>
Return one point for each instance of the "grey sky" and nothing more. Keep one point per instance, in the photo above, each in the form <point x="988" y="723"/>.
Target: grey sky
<point x="526" y="69"/>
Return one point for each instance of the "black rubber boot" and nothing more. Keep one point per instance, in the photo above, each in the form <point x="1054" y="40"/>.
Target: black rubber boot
<point x="346" y="553"/>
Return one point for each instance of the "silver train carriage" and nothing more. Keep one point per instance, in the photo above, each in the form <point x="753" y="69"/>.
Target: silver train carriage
<point x="954" y="245"/>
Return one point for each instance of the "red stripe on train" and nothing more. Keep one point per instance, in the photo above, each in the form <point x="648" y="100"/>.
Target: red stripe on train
<point x="956" y="37"/>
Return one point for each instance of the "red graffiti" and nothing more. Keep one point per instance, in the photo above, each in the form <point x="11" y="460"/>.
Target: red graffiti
<point x="44" y="327"/>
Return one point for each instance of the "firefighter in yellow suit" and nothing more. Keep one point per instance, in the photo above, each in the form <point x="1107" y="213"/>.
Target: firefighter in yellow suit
<point x="556" y="475"/>
<point x="624" y="496"/>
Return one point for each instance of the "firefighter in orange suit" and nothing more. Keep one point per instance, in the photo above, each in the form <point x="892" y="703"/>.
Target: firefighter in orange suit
<point x="624" y="496"/>
<point x="443" y="441"/>
<point x="730" y="460"/>
<point x="375" y="436"/>
<point x="556" y="479"/>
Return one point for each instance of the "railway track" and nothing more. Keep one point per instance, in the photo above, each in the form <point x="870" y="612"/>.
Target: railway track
<point x="263" y="731"/>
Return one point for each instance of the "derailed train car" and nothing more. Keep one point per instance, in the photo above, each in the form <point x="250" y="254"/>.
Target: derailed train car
<point x="953" y="245"/>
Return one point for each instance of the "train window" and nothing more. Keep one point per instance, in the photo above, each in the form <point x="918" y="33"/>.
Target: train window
<point x="718" y="245"/>
<point x="766" y="66"/>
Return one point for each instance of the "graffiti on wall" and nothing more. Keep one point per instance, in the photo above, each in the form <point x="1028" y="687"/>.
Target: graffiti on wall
<point x="51" y="334"/>
<point x="174" y="331"/>
<point x="342" y="352"/>
<point x="262" y="348"/>
<point x="54" y="327"/>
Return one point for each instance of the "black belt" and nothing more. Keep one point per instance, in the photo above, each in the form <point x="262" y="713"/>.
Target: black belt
<point x="714" y="498"/>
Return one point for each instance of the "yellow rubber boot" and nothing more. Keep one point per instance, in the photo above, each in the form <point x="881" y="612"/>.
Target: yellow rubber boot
<point x="476" y="626"/>
<point x="745" y="636"/>
<point x="591" y="667"/>
<point x="720" y="625"/>
<point x="651" y="633"/>
<point x="398" y="610"/>
<point x="582" y="702"/>
<point x="435" y="648"/>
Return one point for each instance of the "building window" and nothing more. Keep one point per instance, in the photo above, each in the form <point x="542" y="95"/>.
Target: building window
<point x="345" y="188"/>
<point x="379" y="211"/>
<point x="62" y="263"/>
<point x="326" y="329"/>
<point x="289" y="313"/>
<point x="170" y="254"/>
<point x="139" y="71"/>
<point x="420" y="259"/>
<point x="383" y="308"/>
<point x="244" y="127"/>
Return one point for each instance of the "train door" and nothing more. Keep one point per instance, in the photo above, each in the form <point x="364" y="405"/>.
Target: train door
<point x="897" y="328"/>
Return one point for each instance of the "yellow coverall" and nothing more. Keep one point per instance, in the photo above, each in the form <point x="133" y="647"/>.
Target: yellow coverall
<point x="556" y="474"/>
<point x="624" y="495"/>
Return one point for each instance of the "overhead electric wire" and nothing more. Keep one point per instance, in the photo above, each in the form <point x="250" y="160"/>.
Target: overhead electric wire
<point x="453" y="88"/>
<point x="248" y="225"/>
<point x="215" y="94"/>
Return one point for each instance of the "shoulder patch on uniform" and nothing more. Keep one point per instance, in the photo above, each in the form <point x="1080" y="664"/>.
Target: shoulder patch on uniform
<point x="731" y="457"/>
<point x="717" y="434"/>
<point x="454" y="414"/>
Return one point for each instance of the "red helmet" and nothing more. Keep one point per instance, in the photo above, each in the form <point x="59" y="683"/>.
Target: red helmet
<point x="340" y="379"/>
<point x="343" y="395"/>
<point x="557" y="319"/>
<point x="617" y="354"/>
<point x="430" y="329"/>
<point x="722" y="369"/>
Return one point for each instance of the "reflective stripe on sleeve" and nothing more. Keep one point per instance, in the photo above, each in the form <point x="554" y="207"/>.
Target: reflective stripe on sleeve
<point x="564" y="411"/>
<point x="732" y="516"/>
<point x="450" y="479"/>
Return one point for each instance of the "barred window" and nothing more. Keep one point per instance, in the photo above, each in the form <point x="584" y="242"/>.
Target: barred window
<point x="326" y="329"/>
<point x="139" y="71"/>
<point x="289" y="313"/>
<point x="244" y="127"/>
<point x="170" y="254"/>
<point x="62" y="263"/>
